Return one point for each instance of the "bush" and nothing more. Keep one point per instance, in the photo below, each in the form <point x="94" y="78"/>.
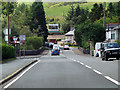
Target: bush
<point x="34" y="42"/>
<point x="8" y="51"/>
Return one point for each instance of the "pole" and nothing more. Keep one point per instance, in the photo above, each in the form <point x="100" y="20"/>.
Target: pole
<point x="24" y="50"/>
<point x="8" y="19"/>
<point x="15" y="50"/>
<point x="104" y="14"/>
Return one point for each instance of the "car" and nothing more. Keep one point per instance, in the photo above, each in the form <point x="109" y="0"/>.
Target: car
<point x="51" y="44"/>
<point x="110" y="50"/>
<point x="66" y="47"/>
<point x="97" y="49"/>
<point x="55" y="50"/>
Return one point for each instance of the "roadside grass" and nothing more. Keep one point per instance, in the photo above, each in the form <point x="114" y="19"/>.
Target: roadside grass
<point x="7" y="60"/>
<point x="74" y="46"/>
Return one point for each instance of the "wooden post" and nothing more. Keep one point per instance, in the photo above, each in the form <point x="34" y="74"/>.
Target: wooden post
<point x="8" y="19"/>
<point x="104" y="14"/>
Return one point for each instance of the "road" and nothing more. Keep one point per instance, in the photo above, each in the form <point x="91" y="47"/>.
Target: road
<point x="65" y="71"/>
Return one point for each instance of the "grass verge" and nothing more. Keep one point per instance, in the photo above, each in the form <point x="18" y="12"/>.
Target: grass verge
<point x="74" y="46"/>
<point x="7" y="60"/>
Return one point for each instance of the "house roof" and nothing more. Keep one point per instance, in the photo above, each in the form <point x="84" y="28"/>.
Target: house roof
<point x="113" y="24"/>
<point x="56" y="36"/>
<point x="70" y="33"/>
<point x="117" y="27"/>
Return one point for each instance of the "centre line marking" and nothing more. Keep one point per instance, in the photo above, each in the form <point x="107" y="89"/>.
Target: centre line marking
<point x="97" y="71"/>
<point x="81" y="63"/>
<point x="21" y="75"/>
<point x="114" y="81"/>
<point x="88" y="66"/>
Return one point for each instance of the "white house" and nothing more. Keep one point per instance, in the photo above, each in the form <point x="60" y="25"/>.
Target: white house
<point x="113" y="31"/>
<point x="69" y="36"/>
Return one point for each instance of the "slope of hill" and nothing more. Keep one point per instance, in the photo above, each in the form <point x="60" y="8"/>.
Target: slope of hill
<point x="60" y="9"/>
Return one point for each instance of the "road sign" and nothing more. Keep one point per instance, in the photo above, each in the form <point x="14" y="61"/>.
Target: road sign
<point x="15" y="39"/>
<point x="22" y="37"/>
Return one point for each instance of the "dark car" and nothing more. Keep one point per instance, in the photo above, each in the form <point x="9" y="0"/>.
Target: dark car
<point x="110" y="50"/>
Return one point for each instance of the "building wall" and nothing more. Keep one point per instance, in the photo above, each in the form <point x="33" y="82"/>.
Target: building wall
<point x="112" y="35"/>
<point x="71" y="38"/>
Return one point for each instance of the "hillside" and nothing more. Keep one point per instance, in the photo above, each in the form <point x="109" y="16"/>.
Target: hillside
<point x="60" y="9"/>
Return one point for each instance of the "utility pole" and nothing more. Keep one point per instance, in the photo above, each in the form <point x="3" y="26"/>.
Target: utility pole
<point x="104" y="14"/>
<point x="8" y="19"/>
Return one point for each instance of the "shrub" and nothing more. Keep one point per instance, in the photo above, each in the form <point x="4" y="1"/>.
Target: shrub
<point x="34" y="42"/>
<point x="8" y="51"/>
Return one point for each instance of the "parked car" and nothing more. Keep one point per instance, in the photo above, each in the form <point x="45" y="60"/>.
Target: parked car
<point x="97" y="49"/>
<point x="110" y="50"/>
<point x="55" y="50"/>
<point x="66" y="47"/>
<point x="51" y="44"/>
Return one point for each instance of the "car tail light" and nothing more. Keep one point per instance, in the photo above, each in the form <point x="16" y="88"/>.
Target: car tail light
<point x="98" y="49"/>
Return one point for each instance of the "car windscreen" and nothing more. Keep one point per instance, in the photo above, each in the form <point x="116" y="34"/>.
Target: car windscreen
<point x="111" y="45"/>
<point x="55" y="47"/>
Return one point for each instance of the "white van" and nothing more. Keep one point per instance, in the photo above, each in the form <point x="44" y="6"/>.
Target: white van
<point x="97" y="49"/>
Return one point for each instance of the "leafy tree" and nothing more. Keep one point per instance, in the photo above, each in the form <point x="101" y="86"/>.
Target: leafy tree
<point x="96" y="12"/>
<point x="38" y="19"/>
<point x="89" y="31"/>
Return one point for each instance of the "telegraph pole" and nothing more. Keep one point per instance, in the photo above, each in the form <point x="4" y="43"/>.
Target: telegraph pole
<point x="104" y="14"/>
<point x="8" y="19"/>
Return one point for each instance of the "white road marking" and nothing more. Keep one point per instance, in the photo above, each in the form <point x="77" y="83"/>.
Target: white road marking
<point x="97" y="71"/>
<point x="21" y="75"/>
<point x="74" y="60"/>
<point x="88" y="66"/>
<point x="81" y="63"/>
<point x="114" y="81"/>
<point x="78" y="61"/>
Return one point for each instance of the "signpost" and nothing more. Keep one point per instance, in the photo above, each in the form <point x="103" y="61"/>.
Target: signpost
<point x="22" y="41"/>
<point x="15" y="41"/>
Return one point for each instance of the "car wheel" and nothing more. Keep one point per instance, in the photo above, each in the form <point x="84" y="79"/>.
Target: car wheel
<point x="106" y="57"/>
<point x="97" y="55"/>
<point x="117" y="58"/>
<point x="102" y="56"/>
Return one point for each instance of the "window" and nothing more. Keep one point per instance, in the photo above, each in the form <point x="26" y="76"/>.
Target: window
<point x="113" y="35"/>
<point x="119" y="34"/>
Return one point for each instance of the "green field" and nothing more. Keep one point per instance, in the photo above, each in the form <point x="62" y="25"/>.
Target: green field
<point x="59" y="11"/>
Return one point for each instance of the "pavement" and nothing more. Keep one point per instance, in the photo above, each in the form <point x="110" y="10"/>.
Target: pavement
<point x="66" y="71"/>
<point x="12" y="66"/>
<point x="108" y="68"/>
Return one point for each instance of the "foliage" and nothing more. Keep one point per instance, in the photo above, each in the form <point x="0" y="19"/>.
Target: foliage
<point x="8" y="51"/>
<point x="96" y="12"/>
<point x="118" y="42"/>
<point x="38" y="20"/>
<point x="89" y="31"/>
<point x="34" y="42"/>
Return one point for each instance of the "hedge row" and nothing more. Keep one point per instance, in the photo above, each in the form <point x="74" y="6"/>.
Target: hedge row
<point x="34" y="43"/>
<point x="8" y="51"/>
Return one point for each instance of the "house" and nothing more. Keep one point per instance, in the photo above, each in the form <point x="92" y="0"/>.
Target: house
<point x="69" y="36"/>
<point x="53" y="38"/>
<point x="54" y="33"/>
<point x="53" y="29"/>
<point x="113" y="31"/>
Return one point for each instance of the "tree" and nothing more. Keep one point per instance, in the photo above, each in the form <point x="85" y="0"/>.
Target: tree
<point x="38" y="19"/>
<point x="89" y="31"/>
<point x="110" y="10"/>
<point x="96" y="12"/>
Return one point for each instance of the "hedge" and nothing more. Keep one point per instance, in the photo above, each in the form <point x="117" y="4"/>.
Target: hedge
<point x="8" y="51"/>
<point x="33" y="43"/>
